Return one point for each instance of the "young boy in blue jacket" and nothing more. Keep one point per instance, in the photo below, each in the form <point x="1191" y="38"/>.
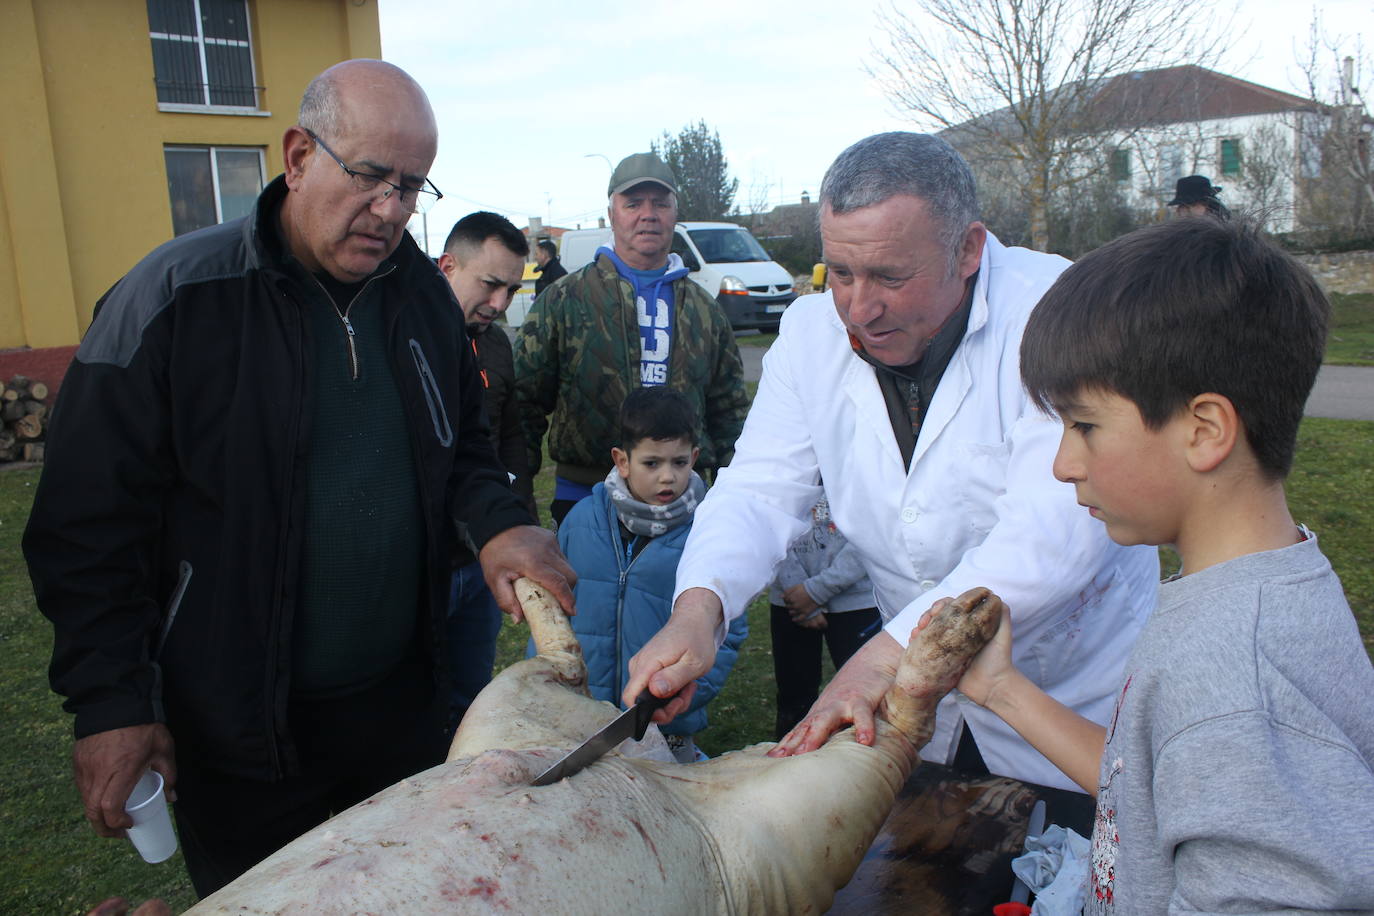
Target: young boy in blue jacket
<point x="1237" y="773"/>
<point x="625" y="540"/>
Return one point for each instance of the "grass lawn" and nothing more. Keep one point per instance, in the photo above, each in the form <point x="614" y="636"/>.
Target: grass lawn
<point x="56" y="865"/>
<point x="1352" y="330"/>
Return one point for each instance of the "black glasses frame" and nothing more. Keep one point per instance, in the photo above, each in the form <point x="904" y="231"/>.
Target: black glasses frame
<point x="365" y="182"/>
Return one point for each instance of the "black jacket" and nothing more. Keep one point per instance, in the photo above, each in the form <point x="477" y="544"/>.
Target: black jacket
<point x="165" y="541"/>
<point x="497" y="362"/>
<point x="550" y="272"/>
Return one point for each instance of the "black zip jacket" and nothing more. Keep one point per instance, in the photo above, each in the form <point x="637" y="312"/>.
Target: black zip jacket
<point x="165" y="541"/>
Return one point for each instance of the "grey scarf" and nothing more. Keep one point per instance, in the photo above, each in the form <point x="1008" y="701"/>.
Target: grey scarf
<point x="645" y="519"/>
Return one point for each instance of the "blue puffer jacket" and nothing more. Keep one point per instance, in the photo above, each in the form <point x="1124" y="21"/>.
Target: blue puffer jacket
<point x="621" y="604"/>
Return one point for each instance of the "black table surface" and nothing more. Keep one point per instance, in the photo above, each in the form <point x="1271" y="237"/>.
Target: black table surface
<point x="946" y="847"/>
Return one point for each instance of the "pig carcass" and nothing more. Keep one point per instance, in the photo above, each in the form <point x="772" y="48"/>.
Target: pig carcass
<point x="742" y="833"/>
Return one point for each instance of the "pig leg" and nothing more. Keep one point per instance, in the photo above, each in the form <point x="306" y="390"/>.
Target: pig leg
<point x="790" y="831"/>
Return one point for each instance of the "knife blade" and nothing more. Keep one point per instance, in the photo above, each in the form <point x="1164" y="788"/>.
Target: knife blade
<point x="1020" y="892"/>
<point x="632" y="723"/>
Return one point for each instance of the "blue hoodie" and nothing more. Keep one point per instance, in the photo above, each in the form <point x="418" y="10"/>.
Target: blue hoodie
<point x="623" y="601"/>
<point x="654" y="303"/>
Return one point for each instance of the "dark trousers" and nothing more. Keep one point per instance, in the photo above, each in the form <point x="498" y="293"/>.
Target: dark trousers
<point x="474" y="621"/>
<point x="559" y="509"/>
<point x="797" y="657"/>
<point x="349" y="748"/>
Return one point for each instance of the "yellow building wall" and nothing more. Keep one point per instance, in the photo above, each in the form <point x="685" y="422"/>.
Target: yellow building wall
<point x="83" y="181"/>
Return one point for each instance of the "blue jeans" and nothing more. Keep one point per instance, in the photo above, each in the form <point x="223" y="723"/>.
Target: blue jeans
<point x="473" y="622"/>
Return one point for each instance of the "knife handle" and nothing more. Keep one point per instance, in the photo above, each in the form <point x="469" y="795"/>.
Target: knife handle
<point x="646" y="704"/>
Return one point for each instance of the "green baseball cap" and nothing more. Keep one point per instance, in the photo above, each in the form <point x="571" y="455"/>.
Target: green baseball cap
<point x="639" y="168"/>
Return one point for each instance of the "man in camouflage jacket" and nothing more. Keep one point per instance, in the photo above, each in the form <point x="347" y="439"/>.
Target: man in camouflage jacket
<point x="629" y="318"/>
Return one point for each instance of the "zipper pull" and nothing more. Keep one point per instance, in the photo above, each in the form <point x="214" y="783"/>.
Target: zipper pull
<point x="348" y="326"/>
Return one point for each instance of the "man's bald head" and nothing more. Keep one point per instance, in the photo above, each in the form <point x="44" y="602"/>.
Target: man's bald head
<point x="362" y="122"/>
<point x="328" y="103"/>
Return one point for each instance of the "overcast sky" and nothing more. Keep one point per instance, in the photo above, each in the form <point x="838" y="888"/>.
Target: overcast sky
<point x="533" y="99"/>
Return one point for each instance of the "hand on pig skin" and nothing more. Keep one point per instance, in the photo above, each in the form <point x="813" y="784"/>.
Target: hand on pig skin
<point x="678" y="654"/>
<point x="118" y="906"/>
<point x="526" y="550"/>
<point x="851" y="696"/>
<point x="108" y="764"/>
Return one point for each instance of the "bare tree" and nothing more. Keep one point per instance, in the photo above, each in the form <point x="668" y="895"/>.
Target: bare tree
<point x="1336" y="174"/>
<point x="1266" y="173"/>
<point x="1026" y="88"/>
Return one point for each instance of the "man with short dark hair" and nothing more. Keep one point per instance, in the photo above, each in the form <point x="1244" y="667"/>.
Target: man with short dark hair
<point x="628" y="319"/>
<point x="900" y="389"/>
<point x="550" y="269"/>
<point x="484" y="261"/>
<point x="254" y="471"/>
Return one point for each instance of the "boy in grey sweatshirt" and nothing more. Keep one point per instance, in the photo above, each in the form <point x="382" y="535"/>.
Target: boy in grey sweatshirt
<point x="1235" y="775"/>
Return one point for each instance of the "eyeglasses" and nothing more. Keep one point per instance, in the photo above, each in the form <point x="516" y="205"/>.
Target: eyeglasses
<point x="413" y="200"/>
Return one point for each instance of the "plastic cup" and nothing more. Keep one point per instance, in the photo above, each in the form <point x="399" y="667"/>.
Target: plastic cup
<point x="151" y="833"/>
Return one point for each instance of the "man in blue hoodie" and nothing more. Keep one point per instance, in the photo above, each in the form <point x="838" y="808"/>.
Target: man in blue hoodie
<point x="629" y="319"/>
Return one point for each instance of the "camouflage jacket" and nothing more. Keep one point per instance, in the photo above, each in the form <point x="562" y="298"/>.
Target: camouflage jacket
<point x="577" y="357"/>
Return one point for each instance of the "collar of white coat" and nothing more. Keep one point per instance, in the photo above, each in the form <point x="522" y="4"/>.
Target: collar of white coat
<point x="862" y="384"/>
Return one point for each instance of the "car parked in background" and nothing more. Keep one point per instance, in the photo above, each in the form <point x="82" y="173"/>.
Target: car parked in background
<point x="724" y="259"/>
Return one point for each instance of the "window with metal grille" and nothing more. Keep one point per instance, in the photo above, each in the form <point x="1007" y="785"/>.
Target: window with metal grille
<point x="202" y="53"/>
<point x="211" y="184"/>
<point x="1121" y="165"/>
<point x="1230" y="157"/>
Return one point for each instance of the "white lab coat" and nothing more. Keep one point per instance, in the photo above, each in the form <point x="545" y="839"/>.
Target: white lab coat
<point x="979" y="505"/>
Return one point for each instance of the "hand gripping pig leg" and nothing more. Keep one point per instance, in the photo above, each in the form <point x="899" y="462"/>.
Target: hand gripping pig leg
<point x="936" y="658"/>
<point x="512" y="711"/>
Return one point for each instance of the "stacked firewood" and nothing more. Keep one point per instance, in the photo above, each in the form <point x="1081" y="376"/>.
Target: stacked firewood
<point x="23" y="419"/>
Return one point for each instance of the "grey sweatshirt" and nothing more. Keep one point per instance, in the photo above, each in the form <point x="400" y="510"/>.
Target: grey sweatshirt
<point x="1237" y="771"/>
<point x="826" y="565"/>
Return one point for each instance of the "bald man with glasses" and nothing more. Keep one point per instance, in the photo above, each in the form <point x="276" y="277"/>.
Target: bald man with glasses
<point x="243" y="530"/>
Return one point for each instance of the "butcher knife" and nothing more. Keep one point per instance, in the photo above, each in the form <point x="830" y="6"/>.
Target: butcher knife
<point x="632" y="723"/>
<point x="1020" y="891"/>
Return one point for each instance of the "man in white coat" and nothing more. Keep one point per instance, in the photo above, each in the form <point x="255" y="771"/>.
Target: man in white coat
<point x="901" y="389"/>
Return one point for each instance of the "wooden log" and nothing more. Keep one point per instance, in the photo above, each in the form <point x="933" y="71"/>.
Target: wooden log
<point x="28" y="427"/>
<point x="10" y="411"/>
<point x="6" y="438"/>
<point x="20" y="383"/>
<point x="10" y="453"/>
<point x="32" y="451"/>
<point x="38" y="391"/>
<point x="34" y="408"/>
<point x="9" y="395"/>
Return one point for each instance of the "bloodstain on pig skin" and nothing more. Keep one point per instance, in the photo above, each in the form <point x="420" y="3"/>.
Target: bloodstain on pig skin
<point x="323" y="862"/>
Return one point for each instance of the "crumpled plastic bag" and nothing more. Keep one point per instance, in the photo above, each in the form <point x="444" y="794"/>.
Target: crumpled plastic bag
<point x="1055" y="867"/>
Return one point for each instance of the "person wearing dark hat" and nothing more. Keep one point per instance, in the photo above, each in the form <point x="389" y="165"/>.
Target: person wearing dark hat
<point x="630" y="318"/>
<point x="1197" y="196"/>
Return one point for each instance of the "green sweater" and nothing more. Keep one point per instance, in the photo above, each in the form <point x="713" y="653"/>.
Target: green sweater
<point x="364" y="540"/>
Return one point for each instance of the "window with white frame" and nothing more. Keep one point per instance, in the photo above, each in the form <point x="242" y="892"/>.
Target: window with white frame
<point x="202" y="53"/>
<point x="211" y="184"/>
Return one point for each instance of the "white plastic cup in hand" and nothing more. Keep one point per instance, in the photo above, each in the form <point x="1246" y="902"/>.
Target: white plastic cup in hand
<point x="152" y="832"/>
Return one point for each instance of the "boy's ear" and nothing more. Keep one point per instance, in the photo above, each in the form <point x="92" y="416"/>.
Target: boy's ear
<point x="622" y="461"/>
<point x="696" y="450"/>
<point x="1213" y="430"/>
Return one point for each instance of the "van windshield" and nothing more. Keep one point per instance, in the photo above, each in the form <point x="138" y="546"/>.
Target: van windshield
<point x="727" y="245"/>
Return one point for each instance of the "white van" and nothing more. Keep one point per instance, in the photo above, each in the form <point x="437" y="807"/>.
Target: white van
<point x="724" y="259"/>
